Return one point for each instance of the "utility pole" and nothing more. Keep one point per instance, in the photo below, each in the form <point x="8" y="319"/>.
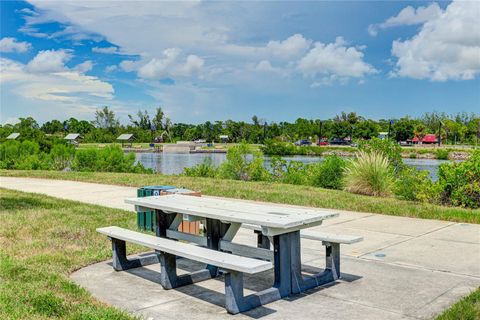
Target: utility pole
<point x="439" y="132"/>
<point x="320" y="134"/>
<point x="264" y="131"/>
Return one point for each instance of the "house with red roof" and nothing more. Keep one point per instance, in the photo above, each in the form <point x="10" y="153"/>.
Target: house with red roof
<point x="427" y="139"/>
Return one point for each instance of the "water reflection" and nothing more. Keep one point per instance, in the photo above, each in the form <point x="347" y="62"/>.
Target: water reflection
<point x="173" y="163"/>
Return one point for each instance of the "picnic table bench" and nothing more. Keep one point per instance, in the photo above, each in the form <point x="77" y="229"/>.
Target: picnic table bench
<point x="281" y="225"/>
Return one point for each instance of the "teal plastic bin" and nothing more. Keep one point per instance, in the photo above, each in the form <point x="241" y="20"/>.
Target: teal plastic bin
<point x="146" y="219"/>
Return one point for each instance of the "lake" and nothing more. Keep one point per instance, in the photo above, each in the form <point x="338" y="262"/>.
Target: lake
<point x="173" y="163"/>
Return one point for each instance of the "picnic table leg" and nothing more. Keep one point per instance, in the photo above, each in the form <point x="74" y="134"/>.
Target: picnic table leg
<point x="120" y="261"/>
<point x="331" y="273"/>
<point x="168" y="273"/>
<point x="262" y="240"/>
<point x="282" y="264"/>
<point x="163" y="221"/>
<point x="215" y="232"/>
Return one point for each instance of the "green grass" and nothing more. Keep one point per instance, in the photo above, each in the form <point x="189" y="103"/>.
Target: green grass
<point x="466" y="309"/>
<point x="43" y="240"/>
<point x="272" y="192"/>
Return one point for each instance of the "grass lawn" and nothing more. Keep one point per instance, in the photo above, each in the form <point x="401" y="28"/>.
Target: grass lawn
<point x="272" y="192"/>
<point x="44" y="239"/>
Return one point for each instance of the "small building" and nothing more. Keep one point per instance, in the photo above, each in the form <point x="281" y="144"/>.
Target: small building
<point x="73" y="138"/>
<point x="126" y="139"/>
<point x="382" y="135"/>
<point x="427" y="139"/>
<point x="223" y="138"/>
<point x="13" y="136"/>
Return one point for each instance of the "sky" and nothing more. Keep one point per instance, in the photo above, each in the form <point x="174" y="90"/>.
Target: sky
<point x="206" y="60"/>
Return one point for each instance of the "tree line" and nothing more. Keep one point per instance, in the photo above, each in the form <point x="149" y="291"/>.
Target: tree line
<point x="453" y="128"/>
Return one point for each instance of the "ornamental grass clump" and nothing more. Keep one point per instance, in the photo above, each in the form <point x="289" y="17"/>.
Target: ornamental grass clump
<point x="369" y="174"/>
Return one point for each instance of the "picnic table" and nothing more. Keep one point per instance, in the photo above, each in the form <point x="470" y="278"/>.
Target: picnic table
<point x="277" y="226"/>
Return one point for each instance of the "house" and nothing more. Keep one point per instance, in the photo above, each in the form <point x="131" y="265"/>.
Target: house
<point x="223" y="138"/>
<point x="427" y="139"/>
<point x="73" y="138"/>
<point x="13" y="136"/>
<point x="126" y="139"/>
<point x="382" y="135"/>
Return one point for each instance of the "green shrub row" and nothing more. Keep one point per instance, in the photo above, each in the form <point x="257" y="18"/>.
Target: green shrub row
<point x="376" y="170"/>
<point x="27" y="155"/>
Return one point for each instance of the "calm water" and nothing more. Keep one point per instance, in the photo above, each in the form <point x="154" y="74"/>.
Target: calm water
<point x="173" y="163"/>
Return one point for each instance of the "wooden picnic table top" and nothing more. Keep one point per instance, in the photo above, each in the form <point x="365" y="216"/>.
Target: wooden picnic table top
<point x="237" y="211"/>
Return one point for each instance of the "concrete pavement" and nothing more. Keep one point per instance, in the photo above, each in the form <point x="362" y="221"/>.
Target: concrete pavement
<point x="404" y="269"/>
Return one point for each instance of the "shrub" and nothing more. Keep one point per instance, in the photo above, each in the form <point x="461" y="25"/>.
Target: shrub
<point x="62" y="156"/>
<point x="205" y="169"/>
<point x="388" y="148"/>
<point x="442" y="154"/>
<point x="329" y="173"/>
<point x="278" y="167"/>
<point x="273" y="147"/>
<point x="109" y="159"/>
<point x="370" y="174"/>
<point x="243" y="164"/>
<point x="459" y="182"/>
<point x="413" y="155"/>
<point x="410" y="183"/>
<point x="296" y="173"/>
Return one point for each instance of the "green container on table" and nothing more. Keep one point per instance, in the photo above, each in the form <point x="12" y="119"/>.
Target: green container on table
<point x="146" y="219"/>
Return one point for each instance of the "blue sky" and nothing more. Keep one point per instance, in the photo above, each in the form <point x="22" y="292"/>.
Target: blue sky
<point x="230" y="60"/>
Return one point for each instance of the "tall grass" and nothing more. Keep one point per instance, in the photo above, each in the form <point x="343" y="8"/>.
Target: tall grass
<point x="369" y="174"/>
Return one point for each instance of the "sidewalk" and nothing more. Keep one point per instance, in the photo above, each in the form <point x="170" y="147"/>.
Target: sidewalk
<point x="405" y="267"/>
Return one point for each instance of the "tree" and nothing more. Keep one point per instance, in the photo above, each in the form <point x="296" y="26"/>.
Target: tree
<point x="157" y="120"/>
<point x="143" y="121"/>
<point x="403" y="129"/>
<point x="53" y="126"/>
<point x="105" y="119"/>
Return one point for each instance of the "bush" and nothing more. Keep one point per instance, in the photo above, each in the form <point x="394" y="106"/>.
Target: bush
<point x="442" y="154"/>
<point x="329" y="173"/>
<point x="296" y="173"/>
<point x="243" y="164"/>
<point x="205" y="169"/>
<point x="23" y="155"/>
<point x="369" y="174"/>
<point x="460" y="182"/>
<point x="109" y="159"/>
<point x="411" y="183"/>
<point x="388" y="148"/>
<point x="62" y="156"/>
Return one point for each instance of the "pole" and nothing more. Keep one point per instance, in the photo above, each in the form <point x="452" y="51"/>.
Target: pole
<point x="389" y="128"/>
<point x="264" y="131"/>
<point x="320" y="134"/>
<point x="439" y="133"/>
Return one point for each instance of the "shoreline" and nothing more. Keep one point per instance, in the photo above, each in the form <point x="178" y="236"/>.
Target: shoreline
<point x="452" y="155"/>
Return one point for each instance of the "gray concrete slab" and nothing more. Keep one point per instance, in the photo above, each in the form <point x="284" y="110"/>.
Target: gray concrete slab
<point x="405" y="269"/>
<point x="425" y="252"/>
<point x="369" y="290"/>
<point x="396" y="225"/>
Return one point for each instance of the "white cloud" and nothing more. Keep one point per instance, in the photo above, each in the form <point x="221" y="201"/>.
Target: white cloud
<point x="335" y="59"/>
<point x="9" y="44"/>
<point x="408" y="16"/>
<point x="84" y="66"/>
<point x="49" y="61"/>
<point x="64" y="86"/>
<point x="291" y="47"/>
<point x="106" y="50"/>
<point x="111" y="68"/>
<point x="446" y="47"/>
<point x="213" y="46"/>
<point x="170" y="64"/>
